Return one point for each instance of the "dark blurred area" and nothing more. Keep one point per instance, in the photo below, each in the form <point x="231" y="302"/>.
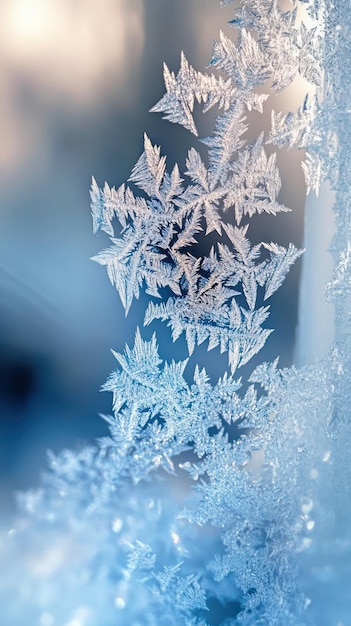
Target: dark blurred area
<point x="78" y="80"/>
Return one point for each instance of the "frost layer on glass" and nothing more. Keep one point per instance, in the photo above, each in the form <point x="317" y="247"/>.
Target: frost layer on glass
<point x="210" y="503"/>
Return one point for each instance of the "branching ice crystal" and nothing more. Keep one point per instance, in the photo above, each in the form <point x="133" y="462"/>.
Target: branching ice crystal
<point x="115" y="534"/>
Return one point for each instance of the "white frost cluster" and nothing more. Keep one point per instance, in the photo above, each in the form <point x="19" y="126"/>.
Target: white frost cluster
<point x="224" y="503"/>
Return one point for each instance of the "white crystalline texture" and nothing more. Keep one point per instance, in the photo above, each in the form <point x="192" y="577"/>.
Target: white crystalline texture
<point x="154" y="249"/>
<point x="115" y="534"/>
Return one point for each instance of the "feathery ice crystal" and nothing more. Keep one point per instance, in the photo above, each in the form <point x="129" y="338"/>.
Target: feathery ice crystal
<point x="222" y="503"/>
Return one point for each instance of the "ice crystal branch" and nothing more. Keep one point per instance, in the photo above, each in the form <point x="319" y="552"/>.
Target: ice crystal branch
<point x="159" y="231"/>
<point x="109" y="529"/>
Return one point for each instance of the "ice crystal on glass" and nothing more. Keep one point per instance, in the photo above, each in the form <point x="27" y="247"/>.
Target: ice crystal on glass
<point x="208" y="502"/>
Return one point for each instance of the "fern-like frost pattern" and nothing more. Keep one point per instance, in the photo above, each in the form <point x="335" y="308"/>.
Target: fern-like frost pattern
<point x="209" y="502"/>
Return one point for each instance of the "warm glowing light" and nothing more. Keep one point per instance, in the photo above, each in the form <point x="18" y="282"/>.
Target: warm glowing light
<point x="30" y="21"/>
<point x="62" y="50"/>
<point x="71" y="45"/>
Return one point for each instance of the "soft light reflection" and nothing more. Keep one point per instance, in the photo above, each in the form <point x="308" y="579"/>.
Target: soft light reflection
<point x="120" y="602"/>
<point x="80" y="617"/>
<point x="71" y="45"/>
<point x="30" y="23"/>
<point x="64" y="51"/>
<point x="46" y="619"/>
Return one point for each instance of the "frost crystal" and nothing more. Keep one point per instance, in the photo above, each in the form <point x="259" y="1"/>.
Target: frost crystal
<point x="116" y="534"/>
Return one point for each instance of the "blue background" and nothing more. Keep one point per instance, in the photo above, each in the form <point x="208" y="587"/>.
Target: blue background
<point x="77" y="87"/>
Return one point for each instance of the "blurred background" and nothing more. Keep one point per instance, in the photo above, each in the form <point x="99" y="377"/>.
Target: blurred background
<point x="77" y="80"/>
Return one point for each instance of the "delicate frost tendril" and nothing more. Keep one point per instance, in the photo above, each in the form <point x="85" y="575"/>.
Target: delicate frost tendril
<point x="210" y="502"/>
